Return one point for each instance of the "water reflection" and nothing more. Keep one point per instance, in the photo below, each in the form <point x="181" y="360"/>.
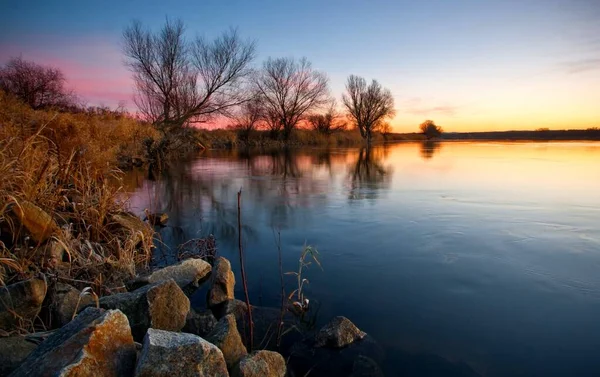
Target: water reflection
<point x="369" y="174"/>
<point x="429" y="148"/>
<point x="459" y="255"/>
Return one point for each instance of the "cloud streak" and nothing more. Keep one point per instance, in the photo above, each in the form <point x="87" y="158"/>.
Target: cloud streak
<point x="582" y="65"/>
<point x="415" y="106"/>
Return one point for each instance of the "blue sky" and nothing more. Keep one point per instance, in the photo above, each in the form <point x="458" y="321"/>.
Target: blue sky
<point x="466" y="64"/>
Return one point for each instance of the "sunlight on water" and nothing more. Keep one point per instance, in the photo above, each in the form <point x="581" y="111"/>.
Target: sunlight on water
<point x="460" y="258"/>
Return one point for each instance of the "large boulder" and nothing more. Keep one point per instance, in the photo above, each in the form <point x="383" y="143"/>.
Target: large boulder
<point x="65" y="302"/>
<point x="166" y="354"/>
<point x="261" y="364"/>
<point x="20" y="303"/>
<point x="13" y="351"/>
<point x="95" y="343"/>
<point x="199" y="323"/>
<point x="223" y="283"/>
<point x="226" y="336"/>
<point x="188" y="274"/>
<point x="161" y="306"/>
<point x="338" y="333"/>
<point x="38" y="223"/>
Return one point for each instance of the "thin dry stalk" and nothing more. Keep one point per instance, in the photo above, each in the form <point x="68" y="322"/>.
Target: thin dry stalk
<point x="243" y="271"/>
<point x="283" y="306"/>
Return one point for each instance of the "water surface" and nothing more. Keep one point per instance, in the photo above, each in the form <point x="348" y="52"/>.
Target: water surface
<point x="461" y="259"/>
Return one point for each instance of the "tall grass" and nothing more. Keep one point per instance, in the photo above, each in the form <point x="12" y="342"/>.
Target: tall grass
<point x="63" y="166"/>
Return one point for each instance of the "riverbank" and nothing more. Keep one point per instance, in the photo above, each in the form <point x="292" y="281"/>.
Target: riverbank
<point x="152" y="327"/>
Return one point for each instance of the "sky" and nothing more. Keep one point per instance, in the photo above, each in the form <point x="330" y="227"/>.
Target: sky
<point x="469" y="65"/>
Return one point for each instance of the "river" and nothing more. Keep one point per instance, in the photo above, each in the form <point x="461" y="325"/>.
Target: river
<point x="459" y="258"/>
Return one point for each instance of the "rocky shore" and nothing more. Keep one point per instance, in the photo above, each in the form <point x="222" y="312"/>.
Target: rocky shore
<point x="152" y="330"/>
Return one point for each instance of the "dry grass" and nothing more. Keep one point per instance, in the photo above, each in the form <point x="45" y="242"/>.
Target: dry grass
<point x="62" y="166"/>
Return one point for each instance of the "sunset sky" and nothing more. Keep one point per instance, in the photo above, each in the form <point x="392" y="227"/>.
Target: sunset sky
<point x="469" y="64"/>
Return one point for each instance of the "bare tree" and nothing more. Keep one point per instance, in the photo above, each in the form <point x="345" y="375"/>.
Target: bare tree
<point x="385" y="129"/>
<point x="328" y="122"/>
<point x="368" y="105"/>
<point x="38" y="86"/>
<point x="180" y="81"/>
<point x="430" y="130"/>
<point x="290" y="89"/>
<point x="249" y="116"/>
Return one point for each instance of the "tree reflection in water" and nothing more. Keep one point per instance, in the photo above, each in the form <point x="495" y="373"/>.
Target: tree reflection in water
<point x="369" y="174"/>
<point x="429" y="148"/>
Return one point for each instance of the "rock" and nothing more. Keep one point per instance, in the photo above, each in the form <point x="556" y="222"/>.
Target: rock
<point x="55" y="254"/>
<point x="223" y="283"/>
<point x="161" y="306"/>
<point x="199" y="323"/>
<point x="21" y="302"/>
<point x="189" y="272"/>
<point x="166" y="354"/>
<point x="235" y="306"/>
<point x="226" y="336"/>
<point x="95" y="343"/>
<point x="13" y="351"/>
<point x="37" y="222"/>
<point x="331" y="362"/>
<point x="65" y="302"/>
<point x="366" y="367"/>
<point x="131" y="225"/>
<point x="261" y="364"/>
<point x="338" y="333"/>
<point x="157" y="219"/>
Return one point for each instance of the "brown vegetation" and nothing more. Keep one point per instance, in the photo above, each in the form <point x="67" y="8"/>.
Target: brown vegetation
<point x="62" y="211"/>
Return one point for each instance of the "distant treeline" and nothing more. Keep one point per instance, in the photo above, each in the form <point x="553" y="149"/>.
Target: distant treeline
<point x="588" y="134"/>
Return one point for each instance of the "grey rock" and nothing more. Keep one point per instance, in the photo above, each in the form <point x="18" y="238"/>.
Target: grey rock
<point x="96" y="343"/>
<point x="65" y="302"/>
<point x="261" y="364"/>
<point x="20" y="303"/>
<point x="166" y="354"/>
<point x="223" y="283"/>
<point x="187" y="274"/>
<point x="13" y="351"/>
<point x="199" y="323"/>
<point x="338" y="333"/>
<point x="161" y="306"/>
<point x="226" y="336"/>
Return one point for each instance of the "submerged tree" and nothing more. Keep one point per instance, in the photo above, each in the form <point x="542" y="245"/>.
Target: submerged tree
<point x="368" y="106"/>
<point x="327" y="122"/>
<point x="430" y="130"/>
<point x="290" y="89"/>
<point x="179" y="81"/>
<point x="37" y="85"/>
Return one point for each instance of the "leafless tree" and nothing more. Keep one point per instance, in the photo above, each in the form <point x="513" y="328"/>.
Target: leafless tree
<point x="249" y="116"/>
<point x="181" y="82"/>
<point x="37" y="85"/>
<point x="368" y="105"/>
<point x="328" y="122"/>
<point x="290" y="89"/>
<point x="385" y="129"/>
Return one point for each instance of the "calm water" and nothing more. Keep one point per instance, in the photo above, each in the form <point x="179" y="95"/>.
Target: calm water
<point x="459" y="258"/>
